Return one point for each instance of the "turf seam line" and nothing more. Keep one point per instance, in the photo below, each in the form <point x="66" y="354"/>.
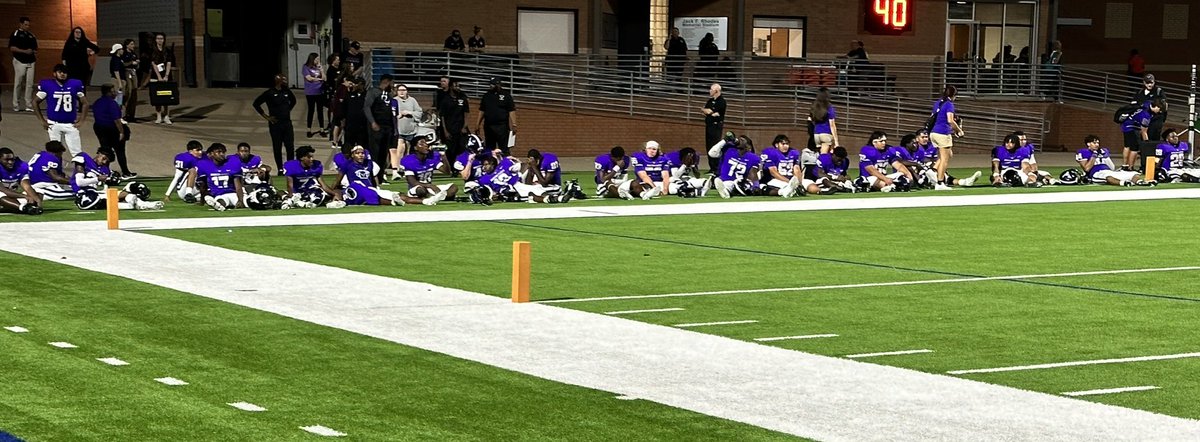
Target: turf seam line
<point x="843" y="261"/>
<point x="651" y="310"/>
<point x="889" y="353"/>
<point x="787" y="338"/>
<point x="1077" y="363"/>
<point x="705" y="324"/>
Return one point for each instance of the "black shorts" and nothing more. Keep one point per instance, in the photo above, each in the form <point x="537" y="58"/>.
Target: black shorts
<point x="1133" y="140"/>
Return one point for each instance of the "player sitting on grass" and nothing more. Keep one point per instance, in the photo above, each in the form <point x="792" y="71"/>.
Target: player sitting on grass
<point x="219" y="179"/>
<point x="254" y="173"/>
<point x="685" y="174"/>
<point x="831" y="173"/>
<point x="1175" y="163"/>
<point x="652" y="174"/>
<point x="361" y="186"/>
<point x="921" y="160"/>
<point x="90" y="180"/>
<point x="305" y="189"/>
<point x="184" y="181"/>
<point x="612" y="170"/>
<point x="46" y="175"/>
<point x="14" y="187"/>
<point x="1040" y="175"/>
<point x="873" y="163"/>
<point x="418" y="168"/>
<point x="784" y="174"/>
<point x="468" y="165"/>
<point x="739" y="167"/>
<point x="1099" y="167"/>
<point x="502" y="183"/>
<point x="1010" y="165"/>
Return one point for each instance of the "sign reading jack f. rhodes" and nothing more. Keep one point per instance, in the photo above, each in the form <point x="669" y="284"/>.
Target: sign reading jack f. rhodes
<point x="692" y="29"/>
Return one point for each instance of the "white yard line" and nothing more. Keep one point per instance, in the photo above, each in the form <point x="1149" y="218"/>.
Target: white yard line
<point x="171" y="381"/>
<point x="1109" y="391"/>
<point x="876" y="284"/>
<point x="652" y="310"/>
<point x="322" y="430"/>
<point x="706" y="324"/>
<point x="112" y="361"/>
<point x="17" y="329"/>
<point x="63" y="345"/>
<point x="783" y="390"/>
<point x="1077" y="363"/>
<point x="246" y="406"/>
<point x="567" y="211"/>
<point x="786" y="338"/>
<point x="890" y="353"/>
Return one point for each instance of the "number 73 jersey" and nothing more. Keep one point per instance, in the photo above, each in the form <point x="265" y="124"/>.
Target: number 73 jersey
<point x="62" y="99"/>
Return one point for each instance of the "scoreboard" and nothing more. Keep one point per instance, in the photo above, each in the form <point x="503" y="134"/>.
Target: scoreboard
<point x="887" y="17"/>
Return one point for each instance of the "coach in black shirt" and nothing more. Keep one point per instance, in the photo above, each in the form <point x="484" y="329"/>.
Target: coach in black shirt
<point x="280" y="101"/>
<point x="714" y="122"/>
<point x="497" y="116"/>
<point x="377" y="110"/>
<point x="454" y="108"/>
<point x="23" y="46"/>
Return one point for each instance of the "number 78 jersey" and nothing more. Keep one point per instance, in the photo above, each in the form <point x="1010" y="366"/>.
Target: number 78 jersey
<point x="62" y="100"/>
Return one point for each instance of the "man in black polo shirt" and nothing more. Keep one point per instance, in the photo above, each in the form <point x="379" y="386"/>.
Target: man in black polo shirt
<point x="280" y="101"/>
<point x="454" y="108"/>
<point x="23" y="46"/>
<point x="677" y="50"/>
<point x="714" y="123"/>
<point x="497" y="116"/>
<point x="378" y="111"/>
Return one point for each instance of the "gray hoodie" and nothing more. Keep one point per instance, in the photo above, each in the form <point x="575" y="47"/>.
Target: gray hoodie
<point x="406" y="125"/>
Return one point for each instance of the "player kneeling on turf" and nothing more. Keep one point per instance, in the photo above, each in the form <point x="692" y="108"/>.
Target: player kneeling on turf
<point x="1099" y="167"/>
<point x="305" y="189"/>
<point x="739" y="167"/>
<point x="91" y="177"/>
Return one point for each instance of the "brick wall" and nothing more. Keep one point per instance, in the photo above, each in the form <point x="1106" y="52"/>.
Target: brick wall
<point x="52" y="23"/>
<point x="1168" y="58"/>
<point x="1068" y="126"/>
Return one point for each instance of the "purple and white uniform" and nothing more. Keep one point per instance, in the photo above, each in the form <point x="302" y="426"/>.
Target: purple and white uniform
<point x="550" y="167"/>
<point x="832" y="167"/>
<point x="783" y="162"/>
<point x="62" y="108"/>
<point x="1103" y="167"/>
<point x="87" y="180"/>
<point x="304" y="180"/>
<point x="250" y="167"/>
<point x="654" y="167"/>
<point x="476" y="166"/>
<point x="40" y="166"/>
<point x="220" y="178"/>
<point x="413" y="166"/>
<point x="604" y="165"/>
<point x="1010" y="159"/>
<point x="11" y="178"/>
<point x="736" y="165"/>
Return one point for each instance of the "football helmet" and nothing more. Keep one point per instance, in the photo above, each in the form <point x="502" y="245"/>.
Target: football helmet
<point x="1070" y="177"/>
<point x="262" y="198"/>
<point x="474" y="144"/>
<point x="141" y="190"/>
<point x="89" y="199"/>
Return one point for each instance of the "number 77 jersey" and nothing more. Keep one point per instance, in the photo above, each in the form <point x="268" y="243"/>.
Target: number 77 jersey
<point x="62" y="99"/>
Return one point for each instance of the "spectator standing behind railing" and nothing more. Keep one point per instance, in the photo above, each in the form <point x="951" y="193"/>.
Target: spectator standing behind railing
<point x="454" y="42"/>
<point x="677" y="50"/>
<point x="857" y="51"/>
<point x="1052" y="68"/>
<point x="476" y="43"/>
<point x="714" y="123"/>
<point x="708" y="57"/>
<point x="329" y="87"/>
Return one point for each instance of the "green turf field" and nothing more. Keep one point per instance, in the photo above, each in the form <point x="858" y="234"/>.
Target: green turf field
<point x="304" y="375"/>
<point x="66" y="210"/>
<point x="967" y="325"/>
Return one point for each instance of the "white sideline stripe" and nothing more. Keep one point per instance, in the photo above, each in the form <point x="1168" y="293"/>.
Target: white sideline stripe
<point x="63" y="345"/>
<point x="784" y="338"/>
<point x="807" y="395"/>
<point x="1077" y="363"/>
<point x="703" y="324"/>
<point x="112" y="361"/>
<point x="653" y="310"/>
<point x="1109" y="391"/>
<point x="246" y="406"/>
<point x="17" y="329"/>
<point x="794" y="205"/>
<point x="171" y="381"/>
<point x="322" y="430"/>
<point x="877" y="284"/>
<point x="889" y="353"/>
<point x="626" y="398"/>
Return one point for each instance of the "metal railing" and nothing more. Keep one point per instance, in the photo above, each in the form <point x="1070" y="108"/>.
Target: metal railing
<point x="994" y="99"/>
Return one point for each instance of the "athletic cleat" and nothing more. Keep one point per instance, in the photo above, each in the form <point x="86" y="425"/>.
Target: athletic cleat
<point x="941" y="186"/>
<point x="428" y="201"/>
<point x="336" y="204"/>
<point x="721" y="189"/>
<point x="652" y="192"/>
<point x="708" y="183"/>
<point x="1126" y="183"/>
<point x="887" y="188"/>
<point x="970" y="181"/>
<point x="212" y="202"/>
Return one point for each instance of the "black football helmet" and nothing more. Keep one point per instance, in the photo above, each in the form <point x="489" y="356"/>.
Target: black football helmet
<point x="1071" y="177"/>
<point x="141" y="190"/>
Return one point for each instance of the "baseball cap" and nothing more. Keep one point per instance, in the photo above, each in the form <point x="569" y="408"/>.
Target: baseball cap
<point x="1149" y="78"/>
<point x="116" y="47"/>
<point x="494" y="80"/>
<point x="354" y="44"/>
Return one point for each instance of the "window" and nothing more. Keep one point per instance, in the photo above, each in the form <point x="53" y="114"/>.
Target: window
<point x="1118" y="20"/>
<point x="546" y="31"/>
<point x="779" y="37"/>
<point x="1175" y="22"/>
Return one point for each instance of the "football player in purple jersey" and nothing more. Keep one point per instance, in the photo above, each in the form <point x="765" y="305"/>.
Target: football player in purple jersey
<point x="219" y="178"/>
<point x="1099" y="167"/>
<point x="305" y="189"/>
<point x="418" y="168"/>
<point x="90" y="179"/>
<point x="739" y="173"/>
<point x="46" y="175"/>
<point x="611" y="171"/>
<point x="184" y="180"/>
<point x="14" y="187"/>
<point x="784" y="176"/>
<point x="652" y="173"/>
<point x="66" y="108"/>
<point x="1176" y="165"/>
<point x="873" y="163"/>
<point x="685" y="174"/>
<point x="499" y="183"/>
<point x="1010" y="165"/>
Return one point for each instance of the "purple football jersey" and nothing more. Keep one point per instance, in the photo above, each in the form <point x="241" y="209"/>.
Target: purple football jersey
<point x="736" y="166"/>
<point x="832" y="167"/>
<point x="460" y="163"/>
<point x="62" y="100"/>
<point x="41" y="164"/>
<point x="414" y="166"/>
<point x="303" y="179"/>
<point x="219" y="177"/>
<point x="550" y="167"/>
<point x="653" y="167"/>
<point x="359" y="173"/>
<point x="1100" y="164"/>
<point x="89" y="167"/>
<point x="785" y="162"/>
<point x="185" y="161"/>
<point x="1173" y="155"/>
<point x="870" y="156"/>
<point x="1010" y="159"/>
<point x="605" y="165"/>
<point x="11" y="178"/>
